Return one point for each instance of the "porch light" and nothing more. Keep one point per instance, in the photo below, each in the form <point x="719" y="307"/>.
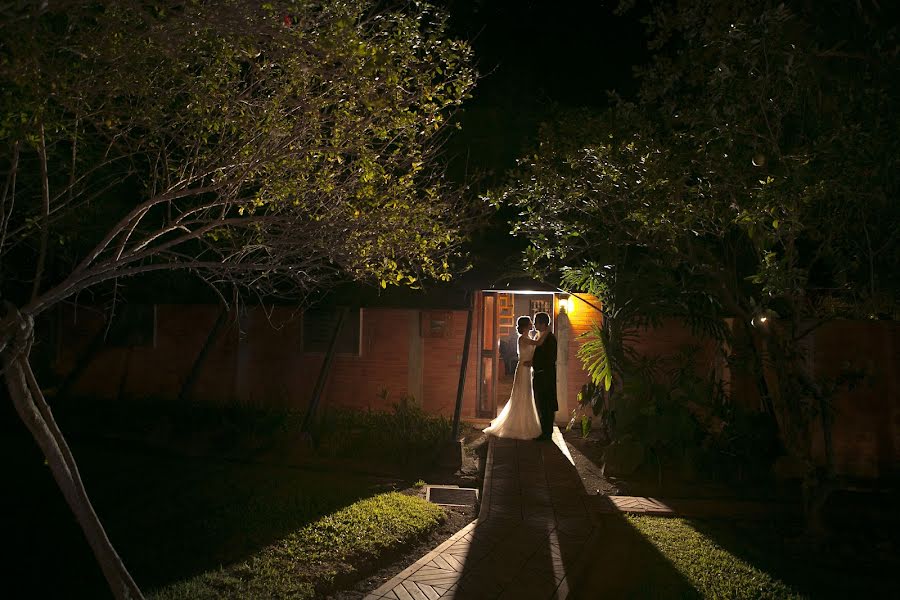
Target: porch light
<point x="761" y="319"/>
<point x="570" y="305"/>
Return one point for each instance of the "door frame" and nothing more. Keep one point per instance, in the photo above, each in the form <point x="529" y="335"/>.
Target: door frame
<point x="486" y="409"/>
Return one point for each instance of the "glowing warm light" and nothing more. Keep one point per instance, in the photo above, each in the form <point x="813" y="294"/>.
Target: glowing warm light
<point x="760" y="320"/>
<point x="566" y="304"/>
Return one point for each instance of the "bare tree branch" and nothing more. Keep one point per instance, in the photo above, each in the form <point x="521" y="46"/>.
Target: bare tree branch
<point x="45" y="215"/>
<point x="9" y="192"/>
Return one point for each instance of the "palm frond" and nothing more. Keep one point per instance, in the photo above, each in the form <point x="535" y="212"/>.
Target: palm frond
<point x="595" y="356"/>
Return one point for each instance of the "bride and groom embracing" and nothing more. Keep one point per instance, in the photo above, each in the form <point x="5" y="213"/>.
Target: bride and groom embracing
<point x="532" y="403"/>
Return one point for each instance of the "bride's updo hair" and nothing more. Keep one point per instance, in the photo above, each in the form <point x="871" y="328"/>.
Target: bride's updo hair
<point x="523" y="322"/>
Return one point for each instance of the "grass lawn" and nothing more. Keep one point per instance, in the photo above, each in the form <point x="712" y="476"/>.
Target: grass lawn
<point x="194" y="528"/>
<point x="711" y="570"/>
<point x="319" y="554"/>
<point x="657" y="557"/>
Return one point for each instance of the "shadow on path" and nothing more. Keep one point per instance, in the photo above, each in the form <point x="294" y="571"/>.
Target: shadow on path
<point x="537" y="536"/>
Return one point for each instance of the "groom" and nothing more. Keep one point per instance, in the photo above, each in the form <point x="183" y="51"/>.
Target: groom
<point x="543" y="377"/>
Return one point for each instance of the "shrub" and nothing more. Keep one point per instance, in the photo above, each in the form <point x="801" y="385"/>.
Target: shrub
<point x="405" y="435"/>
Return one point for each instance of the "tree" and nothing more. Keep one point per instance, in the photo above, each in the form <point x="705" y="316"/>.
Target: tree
<point x="754" y="176"/>
<point x="273" y="147"/>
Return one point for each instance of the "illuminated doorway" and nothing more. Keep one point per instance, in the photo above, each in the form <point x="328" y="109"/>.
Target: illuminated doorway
<point x="497" y="342"/>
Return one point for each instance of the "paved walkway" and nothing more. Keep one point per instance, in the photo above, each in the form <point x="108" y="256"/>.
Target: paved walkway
<point x="528" y="539"/>
<point x="539" y="536"/>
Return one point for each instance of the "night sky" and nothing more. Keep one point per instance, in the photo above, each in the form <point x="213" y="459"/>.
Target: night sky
<point x="532" y="57"/>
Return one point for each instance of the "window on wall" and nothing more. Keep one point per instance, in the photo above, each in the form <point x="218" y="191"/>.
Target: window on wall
<point x="505" y="317"/>
<point x="435" y="323"/>
<point x="318" y="327"/>
<point x="536" y="305"/>
<point x="133" y="325"/>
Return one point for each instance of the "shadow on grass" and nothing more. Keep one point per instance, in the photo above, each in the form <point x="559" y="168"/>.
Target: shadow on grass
<point x="622" y="563"/>
<point x="859" y="558"/>
<point x="46" y="553"/>
<point x="170" y="517"/>
<point x="858" y="562"/>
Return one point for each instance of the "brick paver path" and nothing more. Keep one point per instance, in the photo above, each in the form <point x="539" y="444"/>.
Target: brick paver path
<point x="527" y="542"/>
<point x="539" y="535"/>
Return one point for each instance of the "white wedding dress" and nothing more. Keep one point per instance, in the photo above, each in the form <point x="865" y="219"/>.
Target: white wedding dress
<point x="519" y="418"/>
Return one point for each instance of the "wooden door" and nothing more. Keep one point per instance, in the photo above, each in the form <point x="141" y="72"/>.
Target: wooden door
<point x="488" y="357"/>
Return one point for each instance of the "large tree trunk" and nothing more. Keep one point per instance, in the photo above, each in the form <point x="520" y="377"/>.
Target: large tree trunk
<point x="35" y="413"/>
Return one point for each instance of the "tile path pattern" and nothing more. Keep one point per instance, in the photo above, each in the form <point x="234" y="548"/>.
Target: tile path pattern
<point x="536" y="531"/>
<point x="535" y="519"/>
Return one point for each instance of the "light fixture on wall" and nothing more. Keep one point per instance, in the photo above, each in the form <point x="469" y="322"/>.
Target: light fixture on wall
<point x="762" y="319"/>
<point x="567" y="304"/>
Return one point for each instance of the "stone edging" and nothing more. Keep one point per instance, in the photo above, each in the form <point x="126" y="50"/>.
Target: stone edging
<point x="485" y="508"/>
<point x="387" y="586"/>
<point x="698" y="508"/>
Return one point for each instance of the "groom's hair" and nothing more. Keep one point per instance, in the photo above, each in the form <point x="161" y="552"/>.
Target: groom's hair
<point x="523" y="321"/>
<point x="542" y="317"/>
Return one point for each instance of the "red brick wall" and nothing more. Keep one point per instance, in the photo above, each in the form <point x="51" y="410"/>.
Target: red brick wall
<point x="866" y="430"/>
<point x="264" y="364"/>
<point x="667" y="339"/>
<point x="442" y="361"/>
<point x="268" y="367"/>
<point x="357" y="381"/>
<point x="78" y="326"/>
<point x="141" y="371"/>
<point x="579" y="321"/>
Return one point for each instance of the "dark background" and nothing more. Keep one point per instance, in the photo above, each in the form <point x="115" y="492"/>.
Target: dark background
<point x="533" y="57"/>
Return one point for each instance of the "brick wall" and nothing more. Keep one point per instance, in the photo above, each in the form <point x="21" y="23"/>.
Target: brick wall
<point x="143" y="371"/>
<point x="264" y="365"/>
<point x="269" y="367"/>
<point x="258" y="359"/>
<point x="866" y="429"/>
<point x="357" y="381"/>
<point x="569" y="325"/>
<point x="664" y="340"/>
<point x="442" y="361"/>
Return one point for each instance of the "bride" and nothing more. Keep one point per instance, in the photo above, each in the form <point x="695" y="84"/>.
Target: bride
<point x="519" y="418"/>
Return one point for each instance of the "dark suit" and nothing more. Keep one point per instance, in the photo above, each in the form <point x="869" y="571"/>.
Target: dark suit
<point x="543" y="382"/>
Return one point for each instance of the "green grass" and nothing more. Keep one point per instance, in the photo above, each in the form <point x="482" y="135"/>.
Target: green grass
<point x="207" y="528"/>
<point x="711" y="570"/>
<point x="314" y="557"/>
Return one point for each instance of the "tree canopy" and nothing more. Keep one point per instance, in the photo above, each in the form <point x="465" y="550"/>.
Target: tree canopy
<point x="280" y="146"/>
<point x="759" y="162"/>
<point x="755" y="174"/>
<point x="275" y="147"/>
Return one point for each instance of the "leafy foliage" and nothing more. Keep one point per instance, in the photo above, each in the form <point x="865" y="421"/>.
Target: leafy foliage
<point x="274" y="148"/>
<point x="280" y="146"/>
<point x="405" y="435"/>
<point x="595" y="352"/>
<point x="754" y="174"/>
<point x="756" y="163"/>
